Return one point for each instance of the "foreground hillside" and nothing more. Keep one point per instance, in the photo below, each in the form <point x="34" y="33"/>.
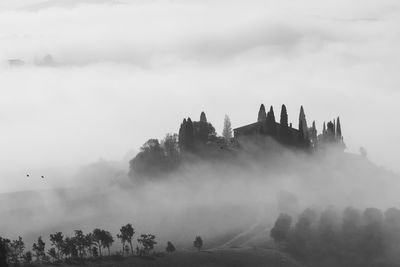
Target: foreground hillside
<point x="249" y="257"/>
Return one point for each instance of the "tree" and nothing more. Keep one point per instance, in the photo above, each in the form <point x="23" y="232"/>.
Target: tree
<point x="147" y="241"/>
<point x="373" y="236"/>
<point x="284" y="117"/>
<point x="270" y="122"/>
<point x="203" y="117"/>
<point x="57" y="241"/>
<point x="151" y="159"/>
<point x="80" y="242"/>
<point x="338" y="129"/>
<point x="52" y="253"/>
<point x="198" y="242"/>
<point x="3" y="252"/>
<point x="171" y="146"/>
<point x="170" y="247"/>
<point x="227" y="130"/>
<point x="69" y="248"/>
<point x="303" y="128"/>
<point x="107" y="240"/>
<point x="262" y="115"/>
<point x="300" y="242"/>
<point x="39" y="249"/>
<point x="27" y="258"/>
<point x="202" y="129"/>
<point x="182" y="133"/>
<point x="89" y="243"/>
<point x="281" y="228"/>
<point x="189" y="135"/>
<point x="127" y="232"/>
<point x="97" y="238"/>
<point x="17" y="250"/>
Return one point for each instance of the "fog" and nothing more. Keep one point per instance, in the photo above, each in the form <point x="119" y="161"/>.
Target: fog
<point x="215" y="199"/>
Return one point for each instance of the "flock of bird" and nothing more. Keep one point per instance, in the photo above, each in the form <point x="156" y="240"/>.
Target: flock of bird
<point x="30" y="176"/>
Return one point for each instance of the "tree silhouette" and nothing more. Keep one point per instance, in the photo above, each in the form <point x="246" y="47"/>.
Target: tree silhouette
<point x="303" y="128"/>
<point x="262" y="115"/>
<point x="182" y="133"/>
<point x="80" y="242"/>
<point x="39" y="249"/>
<point x="198" y="242"/>
<point x="97" y="239"/>
<point x="107" y="240"/>
<point x="189" y="135"/>
<point x="227" y="130"/>
<point x="52" y="253"/>
<point x="147" y="241"/>
<point x="57" y="241"/>
<point x="17" y="250"/>
<point x="3" y="252"/>
<point x="27" y="258"/>
<point x="284" y="117"/>
<point x="271" y="123"/>
<point x="281" y="228"/>
<point x="338" y="129"/>
<point x="284" y="131"/>
<point x="203" y="117"/>
<point x="170" y="247"/>
<point x="126" y="235"/>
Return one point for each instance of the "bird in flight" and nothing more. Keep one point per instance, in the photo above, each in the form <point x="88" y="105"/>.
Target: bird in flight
<point x="27" y="175"/>
<point x="42" y="176"/>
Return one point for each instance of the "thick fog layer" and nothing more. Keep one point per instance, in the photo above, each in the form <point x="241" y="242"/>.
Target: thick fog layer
<point x="217" y="200"/>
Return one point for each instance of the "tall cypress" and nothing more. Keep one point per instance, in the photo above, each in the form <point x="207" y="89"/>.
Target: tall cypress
<point x="203" y="117"/>
<point x="303" y="123"/>
<point x="271" y="123"/>
<point x="262" y="115"/>
<point x="338" y="129"/>
<point x="189" y="134"/>
<point x="284" y="117"/>
<point x="284" y="131"/>
<point x="182" y="133"/>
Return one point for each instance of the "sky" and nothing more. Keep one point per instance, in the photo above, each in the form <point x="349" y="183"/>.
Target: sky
<point x="126" y="71"/>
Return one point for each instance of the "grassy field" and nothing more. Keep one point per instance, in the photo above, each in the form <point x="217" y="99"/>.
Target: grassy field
<point x="250" y="257"/>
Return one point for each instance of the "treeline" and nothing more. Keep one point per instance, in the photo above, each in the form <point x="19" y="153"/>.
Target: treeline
<point x="81" y="248"/>
<point x="195" y="138"/>
<point x="351" y="238"/>
<point x="76" y="249"/>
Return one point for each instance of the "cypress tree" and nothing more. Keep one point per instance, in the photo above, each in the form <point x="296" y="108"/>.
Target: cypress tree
<point x="189" y="134"/>
<point x="262" y="115"/>
<point x="182" y="133"/>
<point x="303" y="124"/>
<point x="271" y="123"/>
<point x="284" y="131"/>
<point x="203" y="117"/>
<point x="338" y="129"/>
<point x="284" y="117"/>
<point x="330" y="131"/>
<point x="324" y="129"/>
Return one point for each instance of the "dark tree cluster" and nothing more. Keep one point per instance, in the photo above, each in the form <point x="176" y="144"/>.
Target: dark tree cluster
<point x="157" y="158"/>
<point x="353" y="238"/>
<point x="76" y="249"/>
